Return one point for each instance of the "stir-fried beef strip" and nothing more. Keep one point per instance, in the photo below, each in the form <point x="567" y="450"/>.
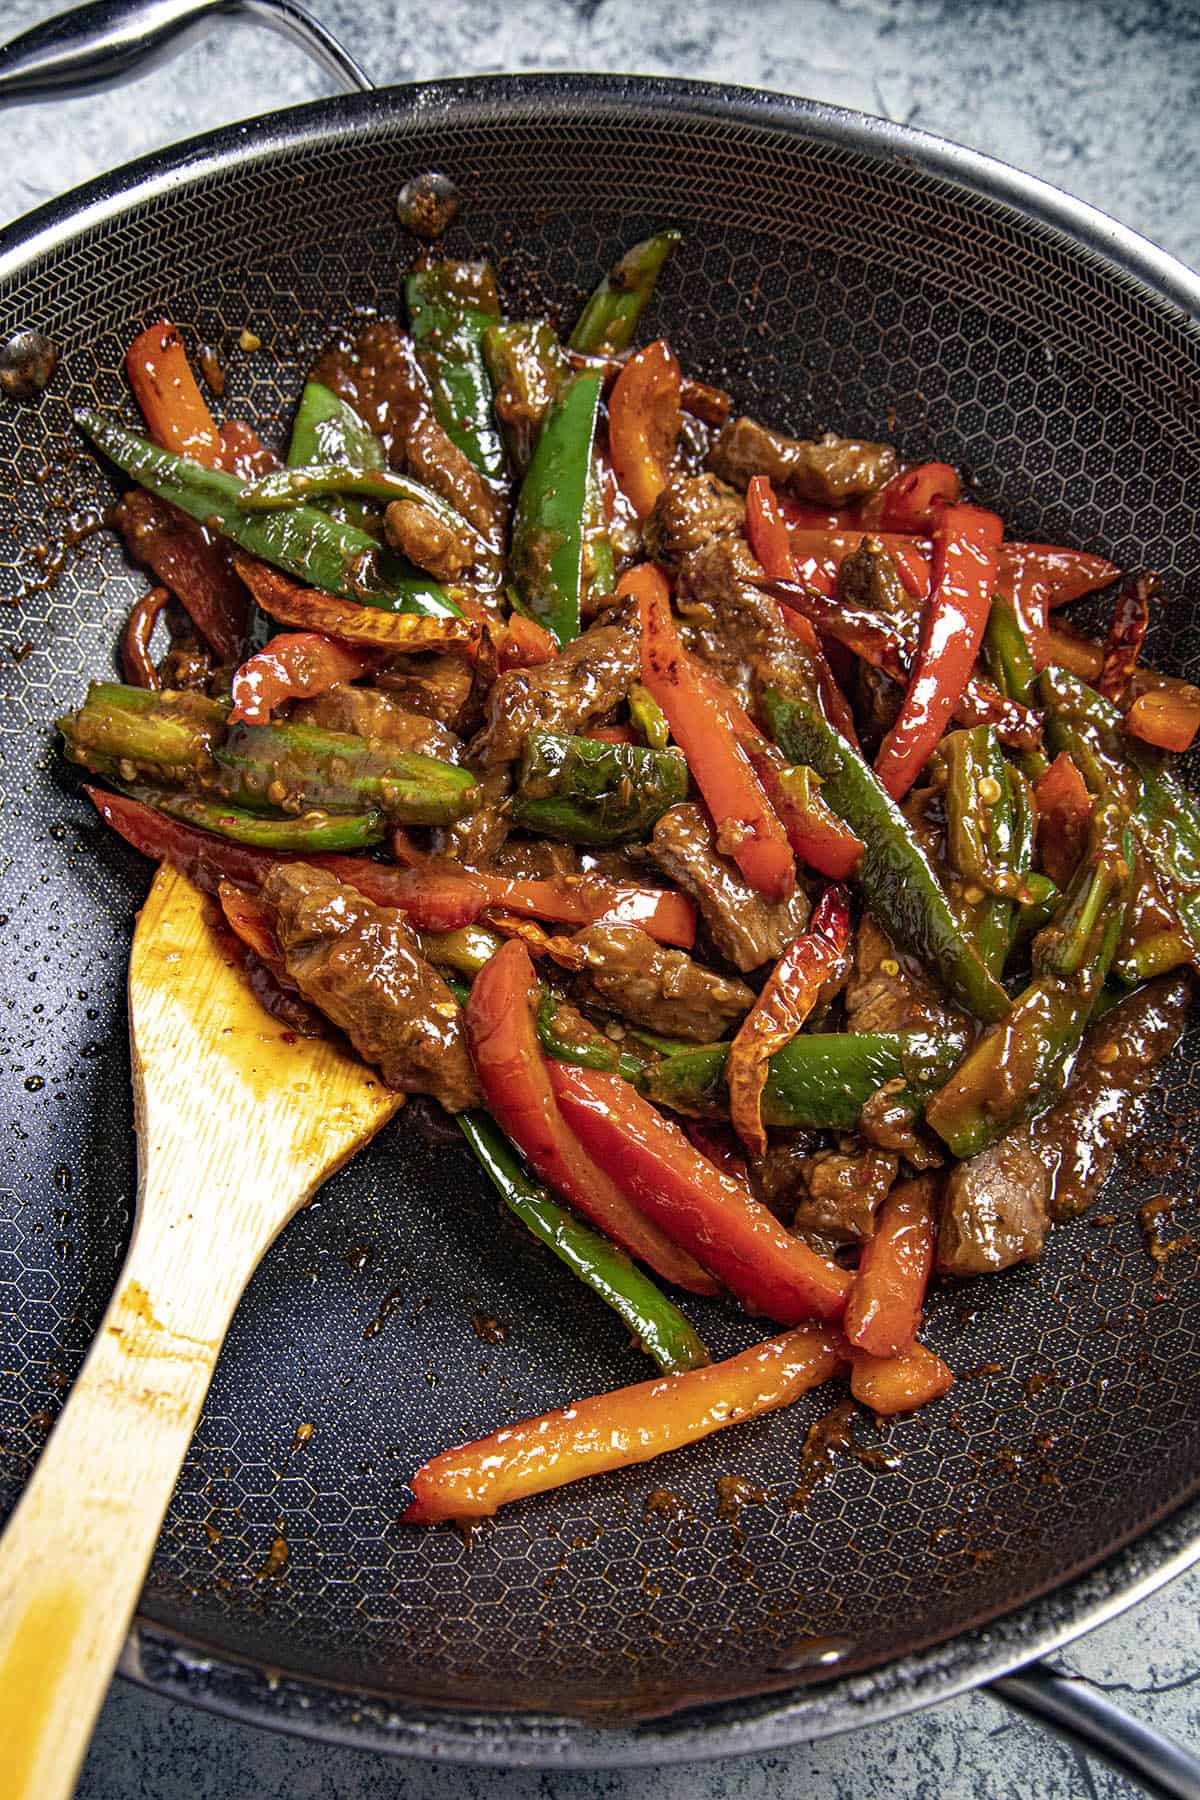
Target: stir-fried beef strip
<point x="476" y="838"/>
<point x="379" y="375"/>
<point x="440" y="687"/>
<point x="664" y="990"/>
<point x="691" y="510"/>
<point x="842" y="1192"/>
<point x="828" y="472"/>
<point x="361" y="964"/>
<point x="369" y="713"/>
<point x="429" y="540"/>
<point x="735" y="628"/>
<point x="888" y="990"/>
<point x="995" y="1209"/>
<point x="746" y="929"/>
<point x="586" y="679"/>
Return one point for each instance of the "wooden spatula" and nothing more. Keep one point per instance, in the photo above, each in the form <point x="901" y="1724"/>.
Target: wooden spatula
<point x="236" y="1130"/>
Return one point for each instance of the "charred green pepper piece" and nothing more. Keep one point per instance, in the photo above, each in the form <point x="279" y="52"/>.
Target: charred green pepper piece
<point x="657" y="1324"/>
<point x="312" y="834"/>
<point x="898" y="883"/>
<point x="450" y="306"/>
<point x="1018" y="1068"/>
<point x="589" y="792"/>
<point x="552" y="516"/>
<point x="307" y="543"/>
<point x="298" y="768"/>
<point x="161" y="736"/>
<point x="528" y="367"/>
<point x="328" y="430"/>
<point x="821" y="1080"/>
<point x="610" y="318"/>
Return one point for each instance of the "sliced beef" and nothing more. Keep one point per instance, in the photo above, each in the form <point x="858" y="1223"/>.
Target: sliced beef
<point x="779" y="1175"/>
<point x="378" y="373"/>
<point x="869" y="580"/>
<point x="370" y="713"/>
<point x="736" y="628"/>
<point x="662" y="989"/>
<point x="827" y="472"/>
<point x="888" y="990"/>
<point x="439" y="687"/>
<point x="746" y="929"/>
<point x="1080" y="1135"/>
<point x="428" y="539"/>
<point x="691" y="510"/>
<point x="888" y="1122"/>
<point x="585" y="679"/>
<point x="843" y="1190"/>
<point x="995" y="1209"/>
<point x="477" y="837"/>
<point x="535" y="859"/>
<point x="361" y="965"/>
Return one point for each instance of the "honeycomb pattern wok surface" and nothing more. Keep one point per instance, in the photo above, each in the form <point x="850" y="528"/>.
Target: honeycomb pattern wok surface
<point x="831" y="278"/>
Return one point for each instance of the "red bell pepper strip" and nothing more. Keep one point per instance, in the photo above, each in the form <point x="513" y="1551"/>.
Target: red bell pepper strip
<point x="524" y="644"/>
<point x="308" y="609"/>
<point x="1126" y="635"/>
<point x="1052" y="575"/>
<point x="1165" y="717"/>
<point x="913" y="499"/>
<point x="703" y="401"/>
<point x="898" y="1384"/>
<point x="295" y="665"/>
<point x="743" y="815"/>
<point x="716" y="1144"/>
<point x="884" y="1308"/>
<point x="514" y="1076"/>
<point x="175" y="411"/>
<point x="1064" y="812"/>
<point x="695" y="1203"/>
<point x="252" y="922"/>
<point x="791" y="992"/>
<point x="964" y="574"/>
<point x="815" y="833"/>
<point x="437" y="896"/>
<point x="613" y="1431"/>
<point x="643" y="424"/>
<point x="137" y="665"/>
<point x="766" y="530"/>
<point x="243" y="452"/>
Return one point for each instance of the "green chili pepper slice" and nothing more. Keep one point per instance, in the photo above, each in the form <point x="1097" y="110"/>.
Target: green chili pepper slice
<point x="450" y="306"/>
<point x="552" y="512"/>
<point x="610" y="318"/>
<point x="589" y="792"/>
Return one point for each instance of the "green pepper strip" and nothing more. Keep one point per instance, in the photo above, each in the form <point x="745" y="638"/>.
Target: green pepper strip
<point x="328" y="430"/>
<point x="611" y="316"/>
<point x="1018" y="1068"/>
<point x="1164" y="816"/>
<point x="168" y="736"/>
<point x="821" y="1080"/>
<point x="590" y="792"/>
<point x="314" y="481"/>
<point x="980" y="838"/>
<point x="655" y="1321"/>
<point x="450" y="306"/>
<point x="307" y="543"/>
<point x="1043" y="897"/>
<point x="552" y="512"/>
<point x="897" y="880"/>
<point x="313" y="834"/>
<point x="528" y="366"/>
<point x="298" y="767"/>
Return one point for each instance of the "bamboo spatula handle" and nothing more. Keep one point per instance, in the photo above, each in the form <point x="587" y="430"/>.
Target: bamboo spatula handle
<point x="75" y="1553"/>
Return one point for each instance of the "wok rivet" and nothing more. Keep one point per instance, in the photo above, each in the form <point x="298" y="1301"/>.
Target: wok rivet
<point x="27" y="364"/>
<point x="428" y="204"/>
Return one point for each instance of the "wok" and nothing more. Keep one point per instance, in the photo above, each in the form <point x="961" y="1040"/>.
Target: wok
<point x="836" y="271"/>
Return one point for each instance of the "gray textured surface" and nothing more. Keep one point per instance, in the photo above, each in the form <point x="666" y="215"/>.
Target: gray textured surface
<point x="1099" y="98"/>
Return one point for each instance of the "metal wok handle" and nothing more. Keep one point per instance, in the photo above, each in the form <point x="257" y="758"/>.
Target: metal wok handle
<point x="108" y="41"/>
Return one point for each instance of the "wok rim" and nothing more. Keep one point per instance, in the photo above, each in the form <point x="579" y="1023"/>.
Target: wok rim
<point x="1087" y="1597"/>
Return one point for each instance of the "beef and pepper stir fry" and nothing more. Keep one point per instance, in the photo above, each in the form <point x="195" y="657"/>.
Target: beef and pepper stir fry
<point x="720" y="825"/>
